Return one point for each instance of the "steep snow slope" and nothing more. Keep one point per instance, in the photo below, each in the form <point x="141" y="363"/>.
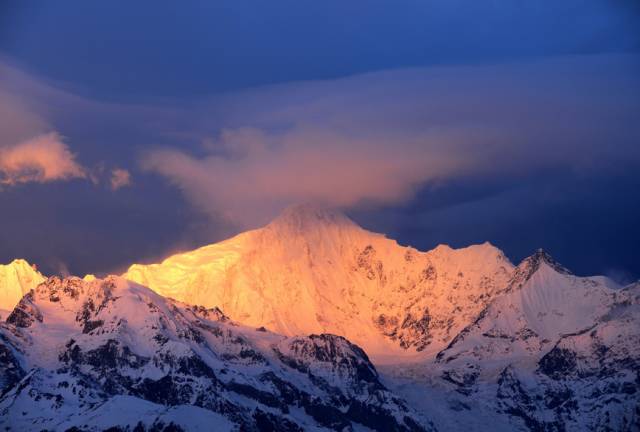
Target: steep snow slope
<point x="313" y="270"/>
<point x="79" y="355"/>
<point x="16" y="279"/>
<point x="553" y="352"/>
<point x="543" y="302"/>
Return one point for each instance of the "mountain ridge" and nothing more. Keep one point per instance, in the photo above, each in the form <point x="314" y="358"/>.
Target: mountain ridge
<point x="314" y="270"/>
<point x="72" y="352"/>
<point x="553" y="352"/>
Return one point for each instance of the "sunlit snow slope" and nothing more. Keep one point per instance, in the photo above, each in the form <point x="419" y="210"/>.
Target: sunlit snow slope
<point x="16" y="279"/>
<point x="313" y="270"/>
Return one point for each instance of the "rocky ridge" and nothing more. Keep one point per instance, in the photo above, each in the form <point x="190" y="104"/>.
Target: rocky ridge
<point x="74" y="352"/>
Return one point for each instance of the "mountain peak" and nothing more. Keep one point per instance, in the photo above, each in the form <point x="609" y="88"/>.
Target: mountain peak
<point x="541" y="256"/>
<point x="20" y="263"/>
<point x="302" y="217"/>
<point x="533" y="263"/>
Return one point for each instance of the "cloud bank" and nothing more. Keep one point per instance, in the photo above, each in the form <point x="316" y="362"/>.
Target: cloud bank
<point x="378" y="138"/>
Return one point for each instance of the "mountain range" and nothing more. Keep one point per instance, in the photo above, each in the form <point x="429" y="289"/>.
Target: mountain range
<point x="313" y="323"/>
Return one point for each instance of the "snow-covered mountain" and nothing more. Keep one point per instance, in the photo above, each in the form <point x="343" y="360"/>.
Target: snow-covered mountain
<point x="315" y="271"/>
<point x="468" y="340"/>
<point x="463" y="334"/>
<point x="78" y="355"/>
<point x="553" y="352"/>
<point x="16" y="279"/>
<point x="542" y="303"/>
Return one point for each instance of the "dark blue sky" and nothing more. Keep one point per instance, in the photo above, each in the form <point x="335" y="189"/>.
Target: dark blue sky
<point x="157" y="49"/>
<point x="508" y="121"/>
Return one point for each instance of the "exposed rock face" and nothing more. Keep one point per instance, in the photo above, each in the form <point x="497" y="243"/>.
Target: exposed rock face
<point x="315" y="271"/>
<point x="73" y="353"/>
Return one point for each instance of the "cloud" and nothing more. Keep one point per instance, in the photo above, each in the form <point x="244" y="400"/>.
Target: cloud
<point x="120" y="178"/>
<point x="261" y="173"/>
<point x="378" y="138"/>
<point x="32" y="107"/>
<point x="42" y="159"/>
<point x="29" y="150"/>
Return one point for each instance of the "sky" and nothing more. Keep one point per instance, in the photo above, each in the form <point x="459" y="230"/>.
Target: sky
<point x="132" y="131"/>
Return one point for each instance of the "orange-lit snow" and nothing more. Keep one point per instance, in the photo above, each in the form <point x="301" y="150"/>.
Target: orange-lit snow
<point x="315" y="271"/>
<point x="16" y="279"/>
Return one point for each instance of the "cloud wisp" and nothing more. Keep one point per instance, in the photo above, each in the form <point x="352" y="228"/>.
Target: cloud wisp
<point x="119" y="178"/>
<point x="32" y="150"/>
<point x="42" y="159"/>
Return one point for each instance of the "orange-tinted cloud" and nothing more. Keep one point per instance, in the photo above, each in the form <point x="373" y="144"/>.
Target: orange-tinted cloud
<point x="119" y="178"/>
<point x="260" y="173"/>
<point x="42" y="159"/>
<point x="30" y="109"/>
